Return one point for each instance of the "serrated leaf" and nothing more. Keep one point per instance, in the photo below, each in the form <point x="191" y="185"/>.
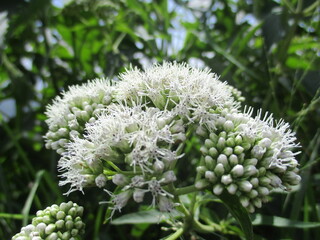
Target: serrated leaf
<point x="259" y="219"/>
<point x="233" y="204"/>
<point x="151" y="216"/>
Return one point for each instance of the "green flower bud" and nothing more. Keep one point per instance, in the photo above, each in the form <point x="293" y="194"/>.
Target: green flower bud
<point x="254" y="182"/>
<point x="201" y="169"/>
<point x="213" y="137"/>
<point x="120" y="179"/>
<point x="230" y="142"/>
<point x="209" y="143"/>
<point x="210" y="163"/>
<point x="219" y="170"/>
<point x="227" y="151"/>
<point x="50" y="228"/>
<point x="263" y="191"/>
<point x="253" y="193"/>
<point x="213" y="152"/>
<point x="238" y="140"/>
<point x="204" y="150"/>
<point x="250" y="171"/>
<point x="238" y="150"/>
<point x="233" y="160"/>
<point x="221" y="143"/>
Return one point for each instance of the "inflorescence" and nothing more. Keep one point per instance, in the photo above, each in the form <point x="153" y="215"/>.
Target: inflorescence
<point x="133" y="132"/>
<point x="55" y="222"/>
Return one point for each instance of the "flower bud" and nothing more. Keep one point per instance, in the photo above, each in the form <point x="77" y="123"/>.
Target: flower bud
<point x="209" y="162"/>
<point x="244" y="201"/>
<point x="251" y="161"/>
<point x="169" y="177"/>
<point x="221" y="143"/>
<point x="238" y="140"/>
<point x="258" y="151"/>
<point x="230" y="142"/>
<point x="257" y="202"/>
<point x="201" y="131"/>
<point x="228" y="126"/>
<point x="238" y="150"/>
<point x="233" y="160"/>
<point x="253" y="193"/>
<point x="50" y="228"/>
<point x="213" y="137"/>
<point x="201" y="184"/>
<point x="101" y="180"/>
<point x="237" y="171"/>
<point x="232" y="188"/>
<point x="254" y="182"/>
<point x="204" y="150"/>
<point x="213" y="152"/>
<point x="138" y="195"/>
<point x="218" y="189"/>
<point x="223" y="160"/>
<point x="120" y="180"/>
<point x="227" y="151"/>
<point x="263" y="191"/>
<point x="245" y="186"/>
<point x="158" y="166"/>
<point x="265" y="142"/>
<point x="210" y="176"/>
<point x="209" y="143"/>
<point x="226" y="179"/>
<point x="219" y="170"/>
<point x="201" y="169"/>
<point x="250" y="171"/>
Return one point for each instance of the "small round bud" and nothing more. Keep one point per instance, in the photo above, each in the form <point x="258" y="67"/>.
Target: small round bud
<point x="238" y="140"/>
<point x="232" y="188"/>
<point x="226" y="179"/>
<point x="258" y="151"/>
<point x="245" y="186"/>
<point x="210" y="163"/>
<point x="222" y="159"/>
<point x="218" y="189"/>
<point x="230" y="142"/>
<point x="233" y="160"/>
<point x="253" y="194"/>
<point x="244" y="201"/>
<point x="210" y="176"/>
<point x="204" y="150"/>
<point x="169" y="177"/>
<point x="60" y="215"/>
<point x="238" y="150"/>
<point x="213" y="152"/>
<point x="213" y="137"/>
<point x="50" y="229"/>
<point x="209" y="143"/>
<point x="237" y="171"/>
<point x="228" y="126"/>
<point x="158" y="166"/>
<point x="201" y="169"/>
<point x="221" y="143"/>
<point x="219" y="170"/>
<point x="263" y="191"/>
<point x="120" y="180"/>
<point x="138" y="195"/>
<point x="101" y="180"/>
<point x="250" y="170"/>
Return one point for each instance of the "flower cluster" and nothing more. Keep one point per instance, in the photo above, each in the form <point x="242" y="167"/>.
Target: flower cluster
<point x="134" y="131"/>
<point x="249" y="157"/>
<point x="55" y="222"/>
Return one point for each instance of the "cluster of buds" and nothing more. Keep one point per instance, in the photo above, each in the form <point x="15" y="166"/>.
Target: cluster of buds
<point x="248" y="157"/>
<point x="69" y="113"/>
<point x="134" y="132"/>
<point x="55" y="222"/>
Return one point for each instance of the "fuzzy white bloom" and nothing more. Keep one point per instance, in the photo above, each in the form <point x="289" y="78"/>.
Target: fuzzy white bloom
<point x="68" y="113"/>
<point x="169" y="84"/>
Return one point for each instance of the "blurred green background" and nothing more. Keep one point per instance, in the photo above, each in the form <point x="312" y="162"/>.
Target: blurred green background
<point x="270" y="50"/>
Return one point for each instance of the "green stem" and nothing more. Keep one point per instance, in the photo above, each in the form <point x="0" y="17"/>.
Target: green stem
<point x="185" y="190"/>
<point x="175" y="235"/>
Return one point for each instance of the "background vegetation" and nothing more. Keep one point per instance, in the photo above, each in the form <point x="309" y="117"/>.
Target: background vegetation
<point x="270" y="50"/>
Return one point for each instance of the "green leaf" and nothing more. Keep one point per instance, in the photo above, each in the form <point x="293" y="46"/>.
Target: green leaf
<point x="259" y="219"/>
<point x="152" y="216"/>
<point x="233" y="204"/>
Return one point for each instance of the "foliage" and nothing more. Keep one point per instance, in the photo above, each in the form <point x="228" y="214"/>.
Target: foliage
<point x="268" y="49"/>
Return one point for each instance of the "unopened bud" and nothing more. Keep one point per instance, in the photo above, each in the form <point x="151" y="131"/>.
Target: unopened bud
<point x="237" y="170"/>
<point x="245" y="186"/>
<point x="232" y="188"/>
<point x="201" y="184"/>
<point x="226" y="179"/>
<point x="100" y="180"/>
<point x="169" y="177"/>
<point x="219" y="170"/>
<point x="213" y="152"/>
<point x="210" y="163"/>
<point x="138" y="195"/>
<point x="210" y="176"/>
<point x="120" y="179"/>
<point x="218" y="189"/>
